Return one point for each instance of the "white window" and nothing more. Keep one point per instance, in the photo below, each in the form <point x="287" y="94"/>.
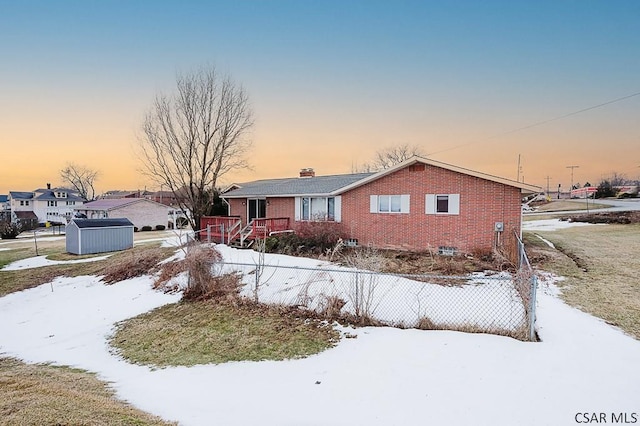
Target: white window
<point x="389" y="203"/>
<point x="442" y="204"/>
<point x="52" y="203"/>
<point x="318" y="208"/>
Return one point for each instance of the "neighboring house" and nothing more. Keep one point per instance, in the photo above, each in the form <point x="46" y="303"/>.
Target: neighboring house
<point x="117" y="194"/>
<point x="5" y="208"/>
<point x="420" y="204"/>
<point x="53" y="205"/>
<point x="140" y="211"/>
<point x="168" y="198"/>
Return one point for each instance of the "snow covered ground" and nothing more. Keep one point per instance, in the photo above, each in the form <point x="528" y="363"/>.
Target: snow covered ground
<point x="552" y="224"/>
<point x="385" y="376"/>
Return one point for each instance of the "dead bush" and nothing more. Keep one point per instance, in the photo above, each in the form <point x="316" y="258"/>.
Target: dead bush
<point x="201" y="263"/>
<point x="168" y="271"/>
<point x="331" y="307"/>
<point x="364" y="282"/>
<point x="224" y="288"/>
<point x="450" y="265"/>
<point x="137" y="262"/>
<point x="425" y="323"/>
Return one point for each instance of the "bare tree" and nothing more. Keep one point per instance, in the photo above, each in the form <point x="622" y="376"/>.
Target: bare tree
<point x="81" y="179"/>
<point x="195" y="136"/>
<point x="390" y="156"/>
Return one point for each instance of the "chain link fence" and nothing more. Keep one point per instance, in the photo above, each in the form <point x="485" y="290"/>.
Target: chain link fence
<point x="498" y="303"/>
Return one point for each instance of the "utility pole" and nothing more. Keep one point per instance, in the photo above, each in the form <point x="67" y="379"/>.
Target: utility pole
<point x="548" y="177"/>
<point x="519" y="170"/>
<point x="572" y="167"/>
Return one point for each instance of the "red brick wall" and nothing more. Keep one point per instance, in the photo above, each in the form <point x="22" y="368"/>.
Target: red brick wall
<point x="482" y="203"/>
<point x="276" y="207"/>
<point x="237" y="209"/>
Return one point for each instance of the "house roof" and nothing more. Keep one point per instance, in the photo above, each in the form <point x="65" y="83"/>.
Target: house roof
<point x="26" y="215"/>
<point x="21" y="195"/>
<point x="524" y="187"/>
<point x="317" y="185"/>
<point x="338" y="184"/>
<point x="49" y="194"/>
<point x="107" y="204"/>
<point x="101" y="223"/>
<point x="121" y="194"/>
<point x="4" y="198"/>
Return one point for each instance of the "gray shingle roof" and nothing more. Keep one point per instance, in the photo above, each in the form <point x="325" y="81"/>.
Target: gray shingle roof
<point x="20" y="195"/>
<point x="101" y="223"/>
<point x="318" y="185"/>
<point x="49" y="194"/>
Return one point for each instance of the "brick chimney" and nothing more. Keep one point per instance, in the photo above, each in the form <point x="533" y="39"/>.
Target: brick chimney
<point x="308" y="172"/>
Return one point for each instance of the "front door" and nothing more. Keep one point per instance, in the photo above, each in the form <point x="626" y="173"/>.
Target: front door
<point x="256" y="208"/>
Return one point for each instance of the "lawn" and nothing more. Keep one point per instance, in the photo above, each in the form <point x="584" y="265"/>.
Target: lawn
<point x="381" y="376"/>
<point x="36" y="394"/>
<point x="203" y="332"/>
<point x="600" y="264"/>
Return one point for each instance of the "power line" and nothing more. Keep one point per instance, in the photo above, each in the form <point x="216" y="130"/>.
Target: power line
<point x="539" y="123"/>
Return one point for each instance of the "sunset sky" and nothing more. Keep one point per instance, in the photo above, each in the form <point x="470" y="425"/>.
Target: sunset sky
<point x="330" y="83"/>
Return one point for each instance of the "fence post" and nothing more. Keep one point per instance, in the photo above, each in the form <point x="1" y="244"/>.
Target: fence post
<point x="208" y="233"/>
<point x="532" y="308"/>
<point x="222" y="233"/>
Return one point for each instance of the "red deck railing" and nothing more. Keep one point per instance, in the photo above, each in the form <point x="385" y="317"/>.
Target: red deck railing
<point x="224" y="229"/>
<point x="220" y="229"/>
<point x="264" y="227"/>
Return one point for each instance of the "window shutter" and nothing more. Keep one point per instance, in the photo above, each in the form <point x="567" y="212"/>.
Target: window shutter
<point x="337" y="206"/>
<point x="454" y="203"/>
<point x="430" y="204"/>
<point x="373" y="204"/>
<point x="404" y="203"/>
<point x="297" y="202"/>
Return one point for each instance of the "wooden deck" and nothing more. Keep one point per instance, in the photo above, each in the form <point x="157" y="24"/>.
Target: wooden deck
<point x="229" y="229"/>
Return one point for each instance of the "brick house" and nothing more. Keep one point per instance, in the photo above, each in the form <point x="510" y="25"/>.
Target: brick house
<point x="140" y="211"/>
<point x="416" y="205"/>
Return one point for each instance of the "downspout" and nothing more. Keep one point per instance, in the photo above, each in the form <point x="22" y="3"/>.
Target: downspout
<point x="228" y="205"/>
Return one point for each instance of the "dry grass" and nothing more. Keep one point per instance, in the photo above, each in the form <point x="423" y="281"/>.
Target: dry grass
<point x="601" y="265"/>
<point x="47" y="395"/>
<point x="521" y="333"/>
<point x="122" y="265"/>
<point x="203" y="332"/>
<point x="138" y="261"/>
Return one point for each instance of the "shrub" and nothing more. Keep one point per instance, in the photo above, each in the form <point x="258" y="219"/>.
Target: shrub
<point x="9" y="230"/>
<point x="160" y="227"/>
<point x="146" y="228"/>
<point x="200" y="262"/>
<point x="135" y="229"/>
<point x="309" y="238"/>
<point x="320" y="235"/>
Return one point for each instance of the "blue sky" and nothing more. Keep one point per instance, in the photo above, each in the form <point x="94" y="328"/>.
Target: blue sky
<point x="330" y="82"/>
